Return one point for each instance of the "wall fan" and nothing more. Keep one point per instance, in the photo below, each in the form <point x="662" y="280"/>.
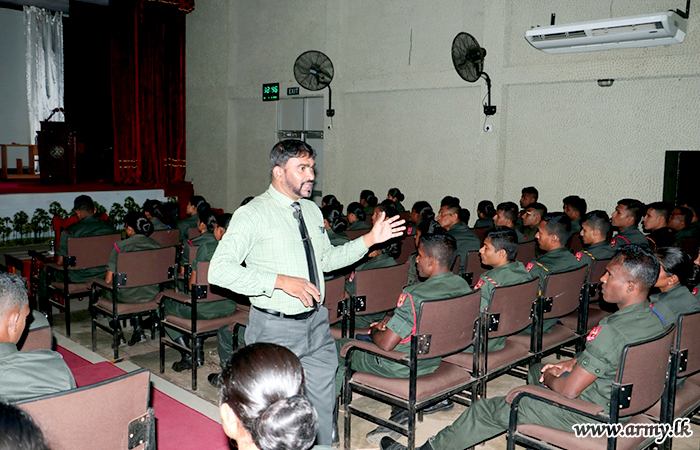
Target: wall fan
<point x="313" y="70"/>
<point x="468" y="59"/>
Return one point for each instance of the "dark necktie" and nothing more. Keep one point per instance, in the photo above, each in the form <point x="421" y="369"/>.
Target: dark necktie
<point x="306" y="239"/>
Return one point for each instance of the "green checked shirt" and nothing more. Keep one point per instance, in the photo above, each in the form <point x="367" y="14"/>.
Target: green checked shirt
<point x="265" y="235"/>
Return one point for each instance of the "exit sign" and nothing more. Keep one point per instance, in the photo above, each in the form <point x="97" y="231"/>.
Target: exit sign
<point x="271" y="92"/>
<point x="293" y="91"/>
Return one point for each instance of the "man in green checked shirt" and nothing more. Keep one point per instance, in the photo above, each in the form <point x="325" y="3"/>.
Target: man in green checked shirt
<point x="287" y="305"/>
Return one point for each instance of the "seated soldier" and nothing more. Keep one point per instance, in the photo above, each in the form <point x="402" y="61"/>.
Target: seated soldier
<point x="626" y="218"/>
<point x="206" y="221"/>
<point x="485" y="211"/>
<point x="575" y="207"/>
<point x="655" y="222"/>
<point x="396" y="196"/>
<point x="594" y="232"/>
<point x="679" y="222"/>
<point x="25" y="374"/>
<point x="138" y="229"/>
<point x="356" y="217"/>
<point x="674" y="299"/>
<point x="205" y="310"/>
<point x="552" y="235"/>
<point x="528" y="195"/>
<point x="424" y="228"/>
<point x="368" y="201"/>
<point x="335" y="226"/>
<point x="694" y="224"/>
<point x="152" y="210"/>
<point x="331" y="200"/>
<point x="626" y="282"/>
<point x="531" y="220"/>
<point x="88" y="226"/>
<point x="196" y="203"/>
<point x="467" y="241"/>
<point x="420" y="212"/>
<point x="507" y="216"/>
<point x="435" y="254"/>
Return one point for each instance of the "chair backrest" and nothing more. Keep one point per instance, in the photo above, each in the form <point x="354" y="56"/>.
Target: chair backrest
<point x="145" y="267"/>
<point x="166" y="238"/>
<point x="95" y="416"/>
<point x="575" y="243"/>
<point x="193" y="253"/>
<point x="335" y="295"/>
<point x="688" y="344"/>
<point x="594" y="276"/>
<point x="213" y="293"/>
<point x="455" y="265"/>
<point x="405" y="215"/>
<point x="511" y="308"/>
<point x="192" y="233"/>
<point x="644" y="366"/>
<point x="480" y="233"/>
<point x="450" y="324"/>
<point x="37" y="339"/>
<point x="354" y="234"/>
<point x="90" y="251"/>
<point x="526" y="252"/>
<point x="473" y="269"/>
<point x="408" y="246"/>
<point x="565" y="291"/>
<point x="381" y="287"/>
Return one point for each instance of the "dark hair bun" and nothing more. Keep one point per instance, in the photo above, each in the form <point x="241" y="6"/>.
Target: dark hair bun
<point x="288" y="423"/>
<point x="144" y="226"/>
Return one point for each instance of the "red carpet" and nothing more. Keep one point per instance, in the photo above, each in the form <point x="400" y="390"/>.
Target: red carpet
<point x="178" y="426"/>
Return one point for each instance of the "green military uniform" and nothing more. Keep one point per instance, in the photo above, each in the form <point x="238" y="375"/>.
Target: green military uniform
<point x="505" y="275"/>
<point x="682" y="235"/>
<point x="184" y="226"/>
<point x="399" y="207"/>
<point x="87" y="227"/>
<point x="369" y="210"/>
<point x="467" y="242"/>
<point x="554" y="261"/>
<point x="529" y="233"/>
<point x="158" y="225"/>
<point x="29" y="374"/>
<point x="359" y="225"/>
<point x="337" y="238"/>
<point x="630" y="235"/>
<point x="412" y="269"/>
<point x="205" y="310"/>
<point x="378" y="262"/>
<point x="521" y="237"/>
<point x="140" y="294"/>
<point x="662" y="237"/>
<point x="673" y="303"/>
<point x="484" y="223"/>
<point x="694" y="228"/>
<point x="441" y="286"/>
<point x="599" y="250"/>
<point x="576" y="226"/>
<point x="199" y="240"/>
<point x="488" y="418"/>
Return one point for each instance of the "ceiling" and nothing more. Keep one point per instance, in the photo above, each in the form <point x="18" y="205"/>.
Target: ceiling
<point x="53" y="5"/>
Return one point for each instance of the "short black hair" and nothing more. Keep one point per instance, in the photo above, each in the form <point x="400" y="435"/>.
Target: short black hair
<point x="558" y="224"/>
<point x="510" y="210"/>
<point x="504" y="238"/>
<point x="662" y="209"/>
<point x="531" y="190"/>
<point x="84" y="204"/>
<point x="676" y="262"/>
<point x="577" y="203"/>
<point x="687" y="214"/>
<point x="634" y="207"/>
<point x="538" y="207"/>
<point x="642" y="265"/>
<point x="285" y="150"/>
<point x="19" y="431"/>
<point x="13" y="293"/>
<point x="450" y="201"/>
<point x="598" y="220"/>
<point x="442" y="247"/>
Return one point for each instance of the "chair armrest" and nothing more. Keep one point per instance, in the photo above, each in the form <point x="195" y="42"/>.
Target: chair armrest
<point x="41" y="257"/>
<point x="54" y="266"/>
<point x="177" y="296"/>
<point x="372" y="349"/>
<point x="548" y="396"/>
<point x="100" y="284"/>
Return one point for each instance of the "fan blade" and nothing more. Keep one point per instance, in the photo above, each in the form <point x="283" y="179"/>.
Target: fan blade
<point x="313" y="70"/>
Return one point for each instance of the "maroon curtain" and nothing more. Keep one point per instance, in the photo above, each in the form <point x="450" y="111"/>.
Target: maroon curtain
<point x="148" y="92"/>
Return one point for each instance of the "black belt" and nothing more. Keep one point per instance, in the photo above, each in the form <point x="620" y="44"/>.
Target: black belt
<point x="300" y="316"/>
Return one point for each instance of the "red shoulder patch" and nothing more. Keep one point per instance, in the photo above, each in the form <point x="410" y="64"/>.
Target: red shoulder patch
<point x="612" y="242"/>
<point x="578" y="255"/>
<point x="352" y="276"/>
<point x="592" y="335"/>
<point x="529" y="266"/>
<point x="409" y="231"/>
<point x="695" y="291"/>
<point x="479" y="284"/>
<point x="402" y="299"/>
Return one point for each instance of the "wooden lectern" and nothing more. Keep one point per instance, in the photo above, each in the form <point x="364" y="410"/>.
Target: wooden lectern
<point x="57" y="153"/>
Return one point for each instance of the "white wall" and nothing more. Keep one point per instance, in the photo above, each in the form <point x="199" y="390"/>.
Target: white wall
<point x="404" y="117"/>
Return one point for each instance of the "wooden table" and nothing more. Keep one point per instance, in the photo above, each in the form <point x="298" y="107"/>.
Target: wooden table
<point x="23" y="262"/>
<point x="32" y="150"/>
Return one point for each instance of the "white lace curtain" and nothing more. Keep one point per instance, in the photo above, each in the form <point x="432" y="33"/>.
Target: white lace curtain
<point x="44" y="31"/>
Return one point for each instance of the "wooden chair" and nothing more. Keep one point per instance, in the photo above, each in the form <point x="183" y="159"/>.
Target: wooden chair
<point x="134" y="269"/>
<point x="474" y="269"/>
<point x="112" y="414"/>
<point x="526" y="252"/>
<point x="408" y="246"/>
<point x="595" y="313"/>
<point x="444" y="327"/>
<point x="575" y="243"/>
<point x="354" y="234"/>
<point x="36" y="338"/>
<point x="337" y="306"/>
<point x="195" y="329"/>
<point x="511" y="311"/>
<point x="480" y="233"/>
<point x="376" y="290"/>
<point x="642" y="379"/>
<point x="83" y="253"/>
<point x="166" y="238"/>
<point x="192" y="233"/>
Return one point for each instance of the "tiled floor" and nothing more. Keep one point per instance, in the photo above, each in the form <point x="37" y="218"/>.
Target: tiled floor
<point x="206" y="397"/>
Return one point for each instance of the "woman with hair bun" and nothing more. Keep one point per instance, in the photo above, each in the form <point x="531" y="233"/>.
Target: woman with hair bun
<point x="331" y="200"/>
<point x="420" y="212"/>
<point x="206" y="223"/>
<point x="138" y="228"/>
<point x="357" y="216"/>
<point x="396" y="196"/>
<point x="263" y="402"/>
<point x="674" y="299"/>
<point x="335" y="225"/>
<point x="485" y="210"/>
<point x="368" y="201"/>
